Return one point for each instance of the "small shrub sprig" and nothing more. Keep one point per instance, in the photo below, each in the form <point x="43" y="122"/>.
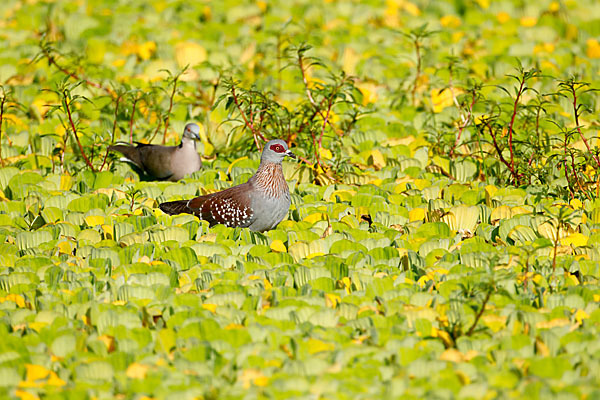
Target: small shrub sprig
<point x="328" y="109"/>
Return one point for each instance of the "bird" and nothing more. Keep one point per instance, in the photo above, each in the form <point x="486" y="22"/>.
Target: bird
<point x="259" y="204"/>
<point x="164" y="162"/>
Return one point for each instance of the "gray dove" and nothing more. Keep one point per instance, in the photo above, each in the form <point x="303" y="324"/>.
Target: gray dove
<point x="164" y="162"/>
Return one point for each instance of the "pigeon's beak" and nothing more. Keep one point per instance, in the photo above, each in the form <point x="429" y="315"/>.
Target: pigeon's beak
<point x="290" y="154"/>
<point x="192" y="135"/>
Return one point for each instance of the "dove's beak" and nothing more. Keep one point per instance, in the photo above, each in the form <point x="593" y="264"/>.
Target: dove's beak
<point x="290" y="154"/>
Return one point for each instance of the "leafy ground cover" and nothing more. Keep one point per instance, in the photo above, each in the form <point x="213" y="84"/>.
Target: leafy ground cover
<point x="443" y="239"/>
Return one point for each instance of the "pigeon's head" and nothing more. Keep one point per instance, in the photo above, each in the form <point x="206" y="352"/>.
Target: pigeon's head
<point x="192" y="131"/>
<point x="275" y="151"/>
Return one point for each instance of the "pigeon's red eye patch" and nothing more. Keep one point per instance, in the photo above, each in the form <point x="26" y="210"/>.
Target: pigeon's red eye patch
<point x="277" y="148"/>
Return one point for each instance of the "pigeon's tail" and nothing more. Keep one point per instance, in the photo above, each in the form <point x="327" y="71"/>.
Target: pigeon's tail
<point x="176" y="207"/>
<point x="131" y="153"/>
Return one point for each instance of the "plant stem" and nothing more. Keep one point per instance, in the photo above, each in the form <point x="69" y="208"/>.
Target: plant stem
<point x="500" y="155"/>
<point x="576" y="114"/>
<point x="465" y="122"/>
<point x="417" y="73"/>
<point x="114" y="129"/>
<point x="248" y="122"/>
<point x="170" y="108"/>
<point x="510" y="130"/>
<point x="135" y="100"/>
<point x="479" y="313"/>
<point x="68" y="109"/>
<point x="2" y="102"/>
<point x="52" y="61"/>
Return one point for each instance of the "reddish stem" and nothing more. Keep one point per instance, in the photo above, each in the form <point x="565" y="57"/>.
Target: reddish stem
<point x="68" y="109"/>
<point x="114" y="129"/>
<point x="52" y="61"/>
<point x="574" y="92"/>
<point x="510" y="128"/>
<point x="504" y="161"/>
<point x="131" y="120"/>
<point x="464" y="124"/>
<point x="249" y="124"/>
<point x="170" y="108"/>
<point x="1" y="120"/>
<point x="413" y="92"/>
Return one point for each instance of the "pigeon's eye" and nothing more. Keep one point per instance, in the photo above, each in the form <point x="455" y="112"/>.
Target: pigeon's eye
<point x="277" y="148"/>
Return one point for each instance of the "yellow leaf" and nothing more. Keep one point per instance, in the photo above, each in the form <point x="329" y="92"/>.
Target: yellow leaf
<point x="593" y="48"/>
<point x="146" y="49"/>
<point x="541" y="348"/>
<point x="65" y="247"/>
<point x="108" y="231"/>
<point x="575" y="239"/>
<point x="452" y="355"/>
<point x="325" y="153"/>
<point x="278" y="246"/>
<point x="267" y="284"/>
<point x="450" y="21"/>
<point x="37" y="325"/>
<point x="343" y="195"/>
<point x="412" y="9"/>
<point x="576" y="204"/>
<point x="253" y="376"/>
<point x="262" y="5"/>
<point x="233" y="326"/>
<point x="369" y="92"/>
<point x="119" y="302"/>
<point x="348" y="284"/>
<point x="554" y="6"/>
<point x="580" y="315"/>
<point x="544" y="48"/>
<point x="485" y="4"/>
<point x="108" y="341"/>
<point x="423" y="280"/>
<point x="312" y="218"/>
<point x="442" y="98"/>
<point x="24" y="395"/>
<point x="94" y="220"/>
<point x="416" y="214"/>
<point x="499" y="213"/>
<point x="261" y="381"/>
<point x="503" y="17"/>
<point x="66" y="182"/>
<point x="494" y="322"/>
<point x="15" y="298"/>
<point x="137" y="371"/>
<point x="528" y="22"/>
<point x="317" y="346"/>
<point x="444" y="336"/>
<point x="54" y="380"/>
<point x="189" y="53"/>
<point x="332" y="300"/>
<point x="36" y="372"/>
<point x="457" y="36"/>
<point x="208" y="150"/>
<point x="378" y="159"/>
<point x="572" y="32"/>
<point x="210" y="307"/>
<point x="553" y="323"/>
<point x="315" y="254"/>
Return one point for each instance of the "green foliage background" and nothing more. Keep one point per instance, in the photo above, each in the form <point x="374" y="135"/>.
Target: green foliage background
<point x="443" y="239"/>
